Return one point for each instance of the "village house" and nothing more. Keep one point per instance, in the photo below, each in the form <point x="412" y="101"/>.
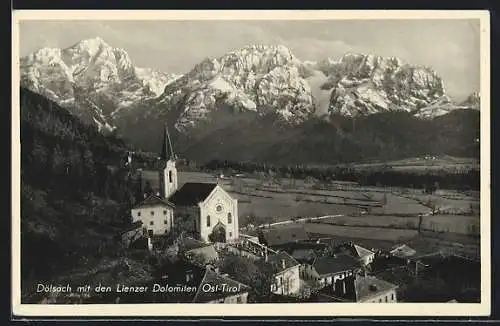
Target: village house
<point x="361" y="288"/>
<point x="156" y="215"/>
<point x="358" y="288"/>
<point x="364" y="256"/>
<point x="212" y="213"/>
<point x="286" y="274"/>
<point x="327" y="269"/>
<point x="197" y="284"/>
<point x="217" y="288"/>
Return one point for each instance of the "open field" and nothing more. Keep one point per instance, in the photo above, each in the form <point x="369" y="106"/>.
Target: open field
<point x="374" y="233"/>
<point x="283" y="208"/>
<point x="373" y="213"/>
<point x="396" y="222"/>
<point x="395" y="204"/>
<point x="257" y="194"/>
<point x="425" y="163"/>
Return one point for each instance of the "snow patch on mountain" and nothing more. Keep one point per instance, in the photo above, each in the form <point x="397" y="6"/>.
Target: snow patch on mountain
<point x="259" y="78"/>
<point x="91" y="70"/>
<point x="366" y="84"/>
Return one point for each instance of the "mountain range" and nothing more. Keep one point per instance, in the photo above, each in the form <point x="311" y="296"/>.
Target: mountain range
<point x="259" y="102"/>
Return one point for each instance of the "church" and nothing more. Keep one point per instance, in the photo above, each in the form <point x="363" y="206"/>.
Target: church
<point x="207" y="209"/>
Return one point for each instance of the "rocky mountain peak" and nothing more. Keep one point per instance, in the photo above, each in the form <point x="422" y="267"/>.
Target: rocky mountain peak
<point x="90" y="78"/>
<point x="259" y="78"/>
<point x="363" y="84"/>
<point x="473" y="101"/>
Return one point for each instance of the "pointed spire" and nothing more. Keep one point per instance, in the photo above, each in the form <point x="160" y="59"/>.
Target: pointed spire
<point x="167" y="149"/>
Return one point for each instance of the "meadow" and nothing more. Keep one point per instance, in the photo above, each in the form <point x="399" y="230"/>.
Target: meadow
<point x="377" y="216"/>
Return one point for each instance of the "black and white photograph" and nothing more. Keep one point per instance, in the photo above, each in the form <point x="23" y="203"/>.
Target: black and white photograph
<point x="246" y="159"/>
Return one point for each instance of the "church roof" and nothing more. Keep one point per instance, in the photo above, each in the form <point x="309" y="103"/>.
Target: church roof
<point x="154" y="201"/>
<point x="192" y="193"/>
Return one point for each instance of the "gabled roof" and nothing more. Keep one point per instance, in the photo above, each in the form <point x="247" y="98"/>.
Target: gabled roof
<point x="202" y="256"/>
<point x="370" y="286"/>
<point x="281" y="236"/>
<point x="362" y="252"/>
<point x="215" y="279"/>
<point x="192" y="193"/>
<point x="335" y="264"/>
<point x="277" y="260"/>
<point x="152" y="201"/>
<point x="304" y="254"/>
<point x="403" y="251"/>
<point x="354" y="250"/>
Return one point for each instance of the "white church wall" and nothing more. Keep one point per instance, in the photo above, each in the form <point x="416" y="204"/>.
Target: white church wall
<point x="218" y="206"/>
<point x="170" y="179"/>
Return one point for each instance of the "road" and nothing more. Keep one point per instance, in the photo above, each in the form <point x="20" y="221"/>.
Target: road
<point x="304" y="219"/>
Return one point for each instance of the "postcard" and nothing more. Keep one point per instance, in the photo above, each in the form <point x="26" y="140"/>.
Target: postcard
<point x="273" y="163"/>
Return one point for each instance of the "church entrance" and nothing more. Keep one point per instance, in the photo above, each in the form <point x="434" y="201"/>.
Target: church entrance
<point x="218" y="233"/>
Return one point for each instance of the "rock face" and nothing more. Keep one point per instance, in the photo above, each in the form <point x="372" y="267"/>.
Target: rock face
<point x="262" y="79"/>
<point x="473" y="101"/>
<point x="251" y="97"/>
<point x="367" y="84"/>
<point x="91" y="79"/>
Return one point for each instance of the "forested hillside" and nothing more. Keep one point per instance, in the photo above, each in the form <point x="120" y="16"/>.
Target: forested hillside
<point x="382" y="136"/>
<point x="75" y="192"/>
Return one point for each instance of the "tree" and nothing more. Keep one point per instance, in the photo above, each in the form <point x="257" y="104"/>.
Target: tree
<point x="218" y="234"/>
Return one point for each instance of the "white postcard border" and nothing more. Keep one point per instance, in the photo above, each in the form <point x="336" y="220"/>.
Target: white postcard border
<point x="275" y="309"/>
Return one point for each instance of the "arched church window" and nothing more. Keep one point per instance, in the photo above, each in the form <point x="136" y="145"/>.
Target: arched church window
<point x="170" y="176"/>
<point x="208" y="220"/>
<point x="229" y="218"/>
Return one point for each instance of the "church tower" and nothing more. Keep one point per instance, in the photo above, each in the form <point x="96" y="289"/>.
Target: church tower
<point x="170" y="171"/>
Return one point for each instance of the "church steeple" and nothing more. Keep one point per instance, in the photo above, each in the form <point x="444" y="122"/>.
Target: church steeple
<point x="170" y="171"/>
<point x="167" y="150"/>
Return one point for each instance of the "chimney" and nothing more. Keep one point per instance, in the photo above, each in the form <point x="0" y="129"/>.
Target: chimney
<point x="283" y="265"/>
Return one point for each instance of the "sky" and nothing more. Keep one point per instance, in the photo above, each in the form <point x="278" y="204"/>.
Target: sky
<point x="451" y="47"/>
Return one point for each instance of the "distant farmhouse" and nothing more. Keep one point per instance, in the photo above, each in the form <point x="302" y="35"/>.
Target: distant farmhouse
<point x="211" y="212"/>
